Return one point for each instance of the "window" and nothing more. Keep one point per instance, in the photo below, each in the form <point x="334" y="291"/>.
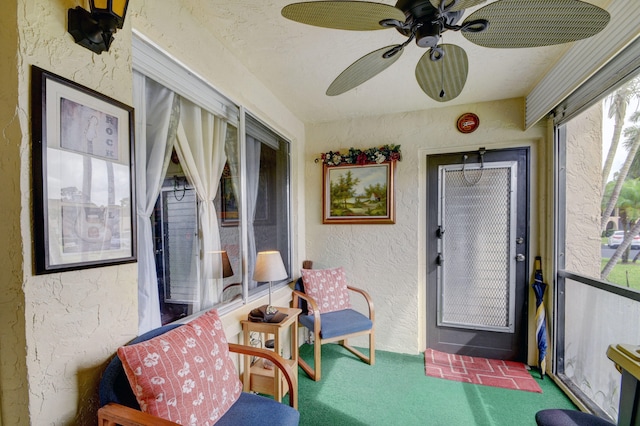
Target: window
<point x="598" y="281"/>
<point x="267" y="195"/>
<point x="212" y="192"/>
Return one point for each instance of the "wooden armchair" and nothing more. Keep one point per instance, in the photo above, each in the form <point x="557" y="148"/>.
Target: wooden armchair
<point x="120" y="407"/>
<point x="335" y="326"/>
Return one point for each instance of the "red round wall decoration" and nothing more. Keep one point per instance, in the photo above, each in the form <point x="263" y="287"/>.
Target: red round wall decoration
<point x="468" y="122"/>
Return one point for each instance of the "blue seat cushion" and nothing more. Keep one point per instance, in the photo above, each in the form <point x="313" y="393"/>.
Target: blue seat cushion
<point x="557" y="417"/>
<point x="338" y="323"/>
<point x="251" y="409"/>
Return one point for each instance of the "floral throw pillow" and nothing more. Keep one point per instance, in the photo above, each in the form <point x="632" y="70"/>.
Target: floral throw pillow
<point x="328" y="287"/>
<point x="184" y="375"/>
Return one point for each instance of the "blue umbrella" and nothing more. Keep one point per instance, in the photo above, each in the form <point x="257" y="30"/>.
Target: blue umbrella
<point x="541" y="321"/>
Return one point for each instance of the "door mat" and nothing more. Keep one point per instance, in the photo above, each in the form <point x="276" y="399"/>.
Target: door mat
<point x="480" y="371"/>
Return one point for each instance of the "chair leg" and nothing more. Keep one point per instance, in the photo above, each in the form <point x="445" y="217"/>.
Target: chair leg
<point x="371" y="359"/>
<point x="372" y="348"/>
<point x="307" y="368"/>
<point x="315" y="372"/>
<point x="317" y="352"/>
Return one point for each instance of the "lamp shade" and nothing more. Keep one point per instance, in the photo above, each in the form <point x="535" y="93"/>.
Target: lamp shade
<point x="225" y="265"/>
<point x="269" y="267"/>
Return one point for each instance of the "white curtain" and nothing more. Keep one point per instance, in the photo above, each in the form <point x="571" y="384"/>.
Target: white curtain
<point x="200" y="147"/>
<point x="253" y="180"/>
<point x="157" y="113"/>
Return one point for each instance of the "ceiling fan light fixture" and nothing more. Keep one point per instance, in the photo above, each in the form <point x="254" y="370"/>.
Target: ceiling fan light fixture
<point x="428" y="35"/>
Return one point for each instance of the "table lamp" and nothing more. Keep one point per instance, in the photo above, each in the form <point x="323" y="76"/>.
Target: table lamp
<point x="269" y="267"/>
<point x="227" y="271"/>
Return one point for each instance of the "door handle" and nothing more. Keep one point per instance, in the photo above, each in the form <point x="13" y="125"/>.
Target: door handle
<point x="520" y="257"/>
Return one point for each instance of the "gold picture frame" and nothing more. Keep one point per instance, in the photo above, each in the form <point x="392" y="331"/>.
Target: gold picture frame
<point x="358" y="194"/>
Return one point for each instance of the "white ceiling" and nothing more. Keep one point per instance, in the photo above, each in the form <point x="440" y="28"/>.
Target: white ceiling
<point x="297" y="62"/>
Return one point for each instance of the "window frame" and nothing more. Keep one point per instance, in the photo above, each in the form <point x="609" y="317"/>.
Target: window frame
<point x="615" y="73"/>
<point x="152" y="62"/>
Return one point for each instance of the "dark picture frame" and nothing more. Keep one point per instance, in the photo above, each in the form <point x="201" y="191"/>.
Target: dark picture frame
<point x="229" y="213"/>
<point x="83" y="173"/>
<point x="358" y="194"/>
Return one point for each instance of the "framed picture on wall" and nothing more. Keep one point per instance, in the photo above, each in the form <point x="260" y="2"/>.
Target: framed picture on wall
<point x="229" y="214"/>
<point x="83" y="176"/>
<point x="358" y="194"/>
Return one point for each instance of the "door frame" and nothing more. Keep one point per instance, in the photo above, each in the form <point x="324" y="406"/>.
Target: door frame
<point x="430" y="249"/>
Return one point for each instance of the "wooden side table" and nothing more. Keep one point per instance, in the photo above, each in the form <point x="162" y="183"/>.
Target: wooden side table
<point x="269" y="381"/>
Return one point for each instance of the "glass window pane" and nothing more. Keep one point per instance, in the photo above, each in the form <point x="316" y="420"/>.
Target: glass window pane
<point x="227" y="202"/>
<point x="600" y="201"/>
<point x="254" y="182"/>
<point x="267" y="195"/>
<point x="603" y="189"/>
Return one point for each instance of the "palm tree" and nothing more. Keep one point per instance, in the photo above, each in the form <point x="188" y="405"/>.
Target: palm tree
<point x="629" y="205"/>
<point x="632" y="142"/>
<point x="618" y="110"/>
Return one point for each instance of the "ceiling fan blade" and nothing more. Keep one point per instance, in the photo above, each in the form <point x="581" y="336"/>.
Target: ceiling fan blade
<point x="534" y="23"/>
<point x="343" y="15"/>
<point x="362" y="70"/>
<point x="460" y="5"/>
<point x="444" y="79"/>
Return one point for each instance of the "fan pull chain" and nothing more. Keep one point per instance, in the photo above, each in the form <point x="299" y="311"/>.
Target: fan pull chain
<point x="442" y="93"/>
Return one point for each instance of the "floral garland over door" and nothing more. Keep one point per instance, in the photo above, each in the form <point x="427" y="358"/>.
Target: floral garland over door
<point x="376" y="155"/>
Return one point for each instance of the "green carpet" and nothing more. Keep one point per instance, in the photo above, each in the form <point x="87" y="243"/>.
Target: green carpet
<point x="396" y="391"/>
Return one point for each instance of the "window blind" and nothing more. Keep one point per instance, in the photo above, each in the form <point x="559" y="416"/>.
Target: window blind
<point x="149" y="60"/>
<point x="583" y="60"/>
<point x="620" y="69"/>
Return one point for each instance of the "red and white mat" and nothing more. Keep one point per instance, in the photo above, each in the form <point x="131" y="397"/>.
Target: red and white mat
<point x="481" y="371"/>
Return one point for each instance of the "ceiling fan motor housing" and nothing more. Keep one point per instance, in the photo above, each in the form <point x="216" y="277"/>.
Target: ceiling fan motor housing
<point x="426" y="21"/>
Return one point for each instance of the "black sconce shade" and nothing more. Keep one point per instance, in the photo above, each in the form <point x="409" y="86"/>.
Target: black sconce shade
<point x="94" y="30"/>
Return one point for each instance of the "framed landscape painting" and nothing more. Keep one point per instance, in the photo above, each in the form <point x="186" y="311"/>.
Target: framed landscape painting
<point x="358" y="194"/>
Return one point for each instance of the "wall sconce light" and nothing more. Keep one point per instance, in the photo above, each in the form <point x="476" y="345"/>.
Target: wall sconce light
<point x="94" y="30"/>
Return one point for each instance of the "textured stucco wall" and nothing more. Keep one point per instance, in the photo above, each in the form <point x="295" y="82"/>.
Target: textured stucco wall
<point x="13" y="389"/>
<point x="584" y="192"/>
<point x="73" y="320"/>
<point x="389" y="260"/>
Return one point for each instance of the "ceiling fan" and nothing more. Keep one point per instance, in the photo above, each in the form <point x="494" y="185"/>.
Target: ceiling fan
<point x="442" y="71"/>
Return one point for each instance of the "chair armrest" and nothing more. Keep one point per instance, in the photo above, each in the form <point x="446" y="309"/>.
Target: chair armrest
<point x="311" y="302"/>
<point x="115" y="414"/>
<point x="279" y="362"/>
<point x="367" y="298"/>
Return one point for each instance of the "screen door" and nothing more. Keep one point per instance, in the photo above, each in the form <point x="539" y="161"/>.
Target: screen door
<point x="477" y="280"/>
